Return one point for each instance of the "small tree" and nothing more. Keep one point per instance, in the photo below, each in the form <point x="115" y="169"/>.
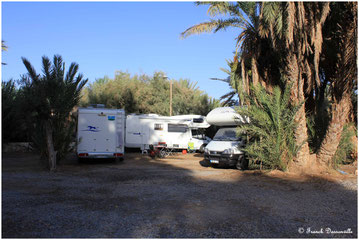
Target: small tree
<point x="50" y="97"/>
<point x="271" y="127"/>
<point x="8" y="97"/>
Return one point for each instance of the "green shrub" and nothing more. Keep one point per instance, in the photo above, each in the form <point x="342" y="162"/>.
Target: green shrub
<point x="346" y="151"/>
<point x="271" y="129"/>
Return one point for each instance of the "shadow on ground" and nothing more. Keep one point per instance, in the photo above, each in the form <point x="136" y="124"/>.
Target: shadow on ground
<point x="174" y="197"/>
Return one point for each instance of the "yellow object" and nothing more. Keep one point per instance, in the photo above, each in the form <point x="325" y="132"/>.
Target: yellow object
<point x="190" y="145"/>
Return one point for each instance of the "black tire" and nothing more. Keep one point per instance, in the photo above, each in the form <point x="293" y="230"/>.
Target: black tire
<point x="205" y="163"/>
<point x="118" y="160"/>
<point x="242" y="163"/>
<point x="81" y="160"/>
<point x="201" y="149"/>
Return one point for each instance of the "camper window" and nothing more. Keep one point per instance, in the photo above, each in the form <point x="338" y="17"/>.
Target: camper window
<point x="158" y="126"/>
<point x="198" y="134"/>
<point x="177" y="128"/>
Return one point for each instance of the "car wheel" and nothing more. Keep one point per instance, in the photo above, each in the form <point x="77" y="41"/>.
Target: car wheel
<point x="80" y="160"/>
<point x="242" y="163"/>
<point x="201" y="149"/>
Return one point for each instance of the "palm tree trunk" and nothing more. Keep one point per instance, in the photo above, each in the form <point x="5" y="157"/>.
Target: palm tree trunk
<point x="297" y="97"/>
<point x="340" y="111"/>
<point x="301" y="132"/>
<point x="50" y="146"/>
<point x="255" y="75"/>
<point x="244" y="77"/>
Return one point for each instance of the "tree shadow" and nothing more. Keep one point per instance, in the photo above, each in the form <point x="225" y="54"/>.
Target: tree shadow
<point x="174" y="197"/>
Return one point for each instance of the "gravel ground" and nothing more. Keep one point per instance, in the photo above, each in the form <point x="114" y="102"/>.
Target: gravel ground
<point x="174" y="197"/>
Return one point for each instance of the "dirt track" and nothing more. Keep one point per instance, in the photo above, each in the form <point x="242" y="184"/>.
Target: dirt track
<point x="172" y="197"/>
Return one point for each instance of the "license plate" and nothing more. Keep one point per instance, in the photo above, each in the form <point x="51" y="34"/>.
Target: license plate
<point x="213" y="161"/>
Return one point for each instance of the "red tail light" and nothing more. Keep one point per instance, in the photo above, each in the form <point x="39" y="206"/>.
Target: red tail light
<point x="161" y="143"/>
<point x="118" y="154"/>
<point x="83" y="154"/>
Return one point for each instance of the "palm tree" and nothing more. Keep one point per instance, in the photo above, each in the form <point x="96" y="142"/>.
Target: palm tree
<point x="50" y="97"/>
<point x="298" y="39"/>
<point x="341" y="72"/>
<point x="253" y="60"/>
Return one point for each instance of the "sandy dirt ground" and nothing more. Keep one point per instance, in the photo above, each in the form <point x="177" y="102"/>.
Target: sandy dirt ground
<point x="174" y="197"/>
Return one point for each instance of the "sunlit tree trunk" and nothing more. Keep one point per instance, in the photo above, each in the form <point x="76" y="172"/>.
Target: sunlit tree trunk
<point x="255" y="75"/>
<point x="340" y="111"/>
<point x="343" y="81"/>
<point x="297" y="97"/>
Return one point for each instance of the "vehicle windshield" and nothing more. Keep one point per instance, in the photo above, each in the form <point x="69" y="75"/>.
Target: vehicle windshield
<point x="226" y="134"/>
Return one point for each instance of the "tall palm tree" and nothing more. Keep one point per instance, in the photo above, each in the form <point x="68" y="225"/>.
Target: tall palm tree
<point x="341" y="71"/>
<point x="298" y="39"/>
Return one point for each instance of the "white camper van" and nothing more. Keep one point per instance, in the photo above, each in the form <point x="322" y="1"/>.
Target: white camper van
<point x="175" y="132"/>
<point x="225" y="147"/>
<point x="100" y="133"/>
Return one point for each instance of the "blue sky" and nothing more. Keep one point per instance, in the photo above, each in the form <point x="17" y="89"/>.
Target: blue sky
<point x="102" y="37"/>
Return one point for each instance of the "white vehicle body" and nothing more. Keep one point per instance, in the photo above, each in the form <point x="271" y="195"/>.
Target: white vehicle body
<point x="151" y="129"/>
<point x="225" y="116"/>
<point x="226" y="141"/>
<point x="100" y="133"/>
<point x="225" y="146"/>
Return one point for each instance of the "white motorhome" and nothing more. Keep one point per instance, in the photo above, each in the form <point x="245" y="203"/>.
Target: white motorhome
<point x="225" y="147"/>
<point x="175" y="132"/>
<point x="101" y="133"/>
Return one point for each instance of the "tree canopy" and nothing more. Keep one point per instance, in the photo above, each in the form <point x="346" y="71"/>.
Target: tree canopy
<point x="148" y="94"/>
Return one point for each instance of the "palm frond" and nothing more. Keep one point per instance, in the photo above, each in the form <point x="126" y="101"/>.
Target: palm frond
<point x="3" y="46"/>
<point x="271" y="127"/>
<point x="227" y="80"/>
<point x="31" y="70"/>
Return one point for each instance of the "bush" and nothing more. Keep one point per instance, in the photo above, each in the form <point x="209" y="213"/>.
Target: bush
<point x="347" y="149"/>
<point x="271" y="128"/>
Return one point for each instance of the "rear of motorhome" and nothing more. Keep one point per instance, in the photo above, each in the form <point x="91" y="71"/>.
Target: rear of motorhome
<point x="225" y="148"/>
<point x="101" y="133"/>
<point x="174" y="132"/>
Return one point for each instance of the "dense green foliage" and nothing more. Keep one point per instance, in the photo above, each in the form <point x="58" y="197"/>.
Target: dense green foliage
<point x="271" y="128"/>
<point x="13" y="125"/>
<point x="148" y="94"/>
<point x="48" y="99"/>
<point x="347" y="150"/>
<point x="313" y="46"/>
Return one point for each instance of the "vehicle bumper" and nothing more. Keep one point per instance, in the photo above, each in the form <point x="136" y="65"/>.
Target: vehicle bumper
<point x="100" y="155"/>
<point x="223" y="159"/>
